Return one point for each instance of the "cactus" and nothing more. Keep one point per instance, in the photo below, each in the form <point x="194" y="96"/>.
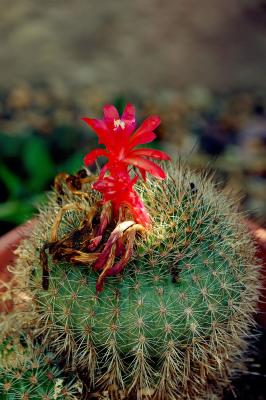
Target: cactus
<point x="174" y="324"/>
<point x="29" y="372"/>
<point x="148" y="292"/>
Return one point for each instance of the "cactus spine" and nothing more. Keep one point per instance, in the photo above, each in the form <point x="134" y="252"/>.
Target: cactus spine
<point x="30" y="372"/>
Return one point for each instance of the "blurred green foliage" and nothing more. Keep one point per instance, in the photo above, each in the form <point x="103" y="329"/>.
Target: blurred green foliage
<point x="29" y="162"/>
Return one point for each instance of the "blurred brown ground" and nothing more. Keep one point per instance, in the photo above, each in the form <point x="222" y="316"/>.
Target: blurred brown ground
<point x="146" y="44"/>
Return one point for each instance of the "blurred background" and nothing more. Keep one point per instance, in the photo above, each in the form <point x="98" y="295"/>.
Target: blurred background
<point x="200" y="65"/>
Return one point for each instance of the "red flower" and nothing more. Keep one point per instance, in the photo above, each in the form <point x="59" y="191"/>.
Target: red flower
<point x="120" y="141"/>
<point x="119" y="190"/>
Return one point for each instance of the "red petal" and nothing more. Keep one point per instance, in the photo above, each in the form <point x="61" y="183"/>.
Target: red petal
<point x="115" y="235"/>
<point x="103" y="184"/>
<point x="138" y="209"/>
<point x="129" y="113"/>
<point x="128" y="251"/>
<point x="144" y="138"/>
<point x="160" y="155"/>
<point x="94" y="243"/>
<point x="147" y="126"/>
<point x="100" y="128"/>
<point x="92" y="155"/>
<point x="110" y="115"/>
<point x="133" y="181"/>
<point x="120" y="248"/>
<point x="103" y="171"/>
<point x="143" y="174"/>
<point x="129" y="118"/>
<point x="147" y="165"/>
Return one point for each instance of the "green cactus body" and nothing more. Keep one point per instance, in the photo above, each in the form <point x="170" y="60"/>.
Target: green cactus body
<point x="173" y="324"/>
<point x="29" y="373"/>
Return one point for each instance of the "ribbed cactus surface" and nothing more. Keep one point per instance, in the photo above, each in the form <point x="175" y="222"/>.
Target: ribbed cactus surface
<point x="173" y="324"/>
<point x="29" y="373"/>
